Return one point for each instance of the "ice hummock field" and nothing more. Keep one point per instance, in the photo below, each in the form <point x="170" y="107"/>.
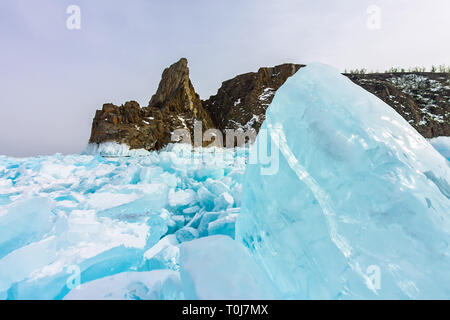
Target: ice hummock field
<point x="357" y="191"/>
<point x="109" y="217"/>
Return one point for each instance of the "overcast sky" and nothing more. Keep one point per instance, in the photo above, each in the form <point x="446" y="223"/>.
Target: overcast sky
<point x="52" y="79"/>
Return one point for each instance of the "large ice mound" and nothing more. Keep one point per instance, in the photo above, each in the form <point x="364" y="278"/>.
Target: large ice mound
<point x="360" y="204"/>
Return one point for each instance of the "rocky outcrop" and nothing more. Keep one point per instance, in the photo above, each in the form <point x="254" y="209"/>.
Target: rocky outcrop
<point x="175" y="105"/>
<point x="177" y="100"/>
<point x="423" y="99"/>
<point x="126" y="124"/>
<point x="242" y="101"/>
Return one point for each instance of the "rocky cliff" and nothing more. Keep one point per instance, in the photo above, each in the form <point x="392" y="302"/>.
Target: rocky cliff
<point x="423" y="99"/>
<point x="242" y="101"/>
<point x="175" y="105"/>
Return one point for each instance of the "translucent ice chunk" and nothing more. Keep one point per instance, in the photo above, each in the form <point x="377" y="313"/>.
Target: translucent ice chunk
<point x="356" y="206"/>
<point x="218" y="267"/>
<point x="152" y="285"/>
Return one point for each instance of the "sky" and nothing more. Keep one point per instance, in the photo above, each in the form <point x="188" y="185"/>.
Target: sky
<point x="53" y="78"/>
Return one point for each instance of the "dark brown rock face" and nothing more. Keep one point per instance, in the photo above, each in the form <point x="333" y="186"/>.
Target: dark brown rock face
<point x="422" y="98"/>
<point x="175" y="105"/>
<point x="239" y="103"/>
<point x="125" y="124"/>
<point x="242" y="101"/>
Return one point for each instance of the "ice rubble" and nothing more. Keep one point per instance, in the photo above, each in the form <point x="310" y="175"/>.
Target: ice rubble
<point x="113" y="149"/>
<point x="360" y="204"/>
<point x="109" y="216"/>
